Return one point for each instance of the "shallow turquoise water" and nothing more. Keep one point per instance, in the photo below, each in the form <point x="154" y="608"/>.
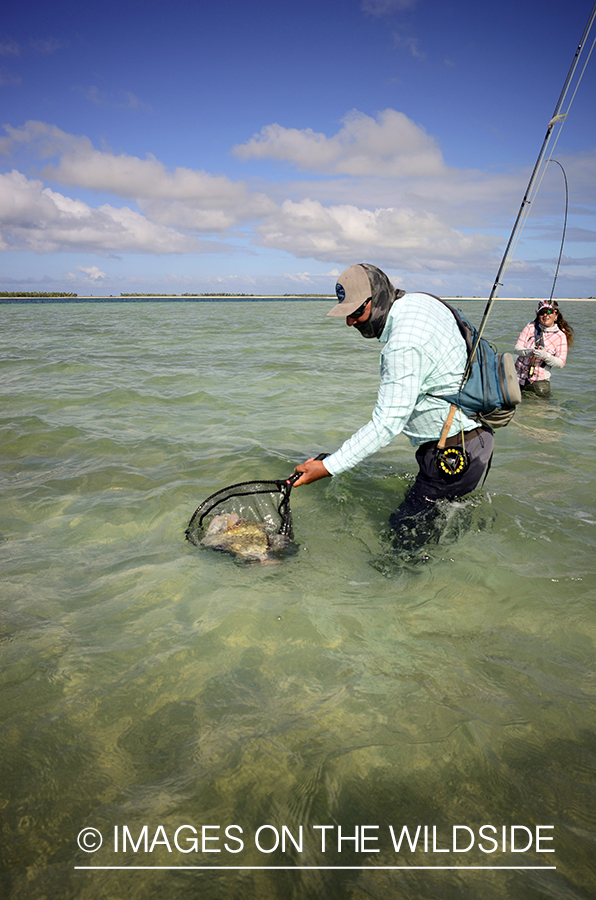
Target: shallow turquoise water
<point x="145" y="681"/>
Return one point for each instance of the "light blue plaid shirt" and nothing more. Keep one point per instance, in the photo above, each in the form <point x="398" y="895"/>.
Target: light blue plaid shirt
<point x="424" y="354"/>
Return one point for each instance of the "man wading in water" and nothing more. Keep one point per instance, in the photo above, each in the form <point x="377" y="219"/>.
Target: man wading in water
<point x="424" y="355"/>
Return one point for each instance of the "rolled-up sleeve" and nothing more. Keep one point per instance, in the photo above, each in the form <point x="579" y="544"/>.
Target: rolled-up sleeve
<point x="401" y="380"/>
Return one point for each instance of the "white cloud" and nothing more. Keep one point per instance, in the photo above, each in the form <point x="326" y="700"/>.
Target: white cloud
<point x="385" y="7"/>
<point x="122" y="100"/>
<point x="199" y="202"/>
<point x="44" y="140"/>
<point x="92" y="272"/>
<point x="49" y="45"/>
<point x="408" y="43"/>
<point x="390" y="145"/>
<point x="390" y="198"/>
<point x="184" y="198"/>
<point x="8" y="47"/>
<point x="36" y="218"/>
<point x="308" y="279"/>
<point x="403" y="238"/>
<point x="7" y="77"/>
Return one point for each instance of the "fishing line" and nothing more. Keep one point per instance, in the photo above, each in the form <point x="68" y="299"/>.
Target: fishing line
<point x="557" y="121"/>
<point x="564" y="226"/>
<point x="550" y="159"/>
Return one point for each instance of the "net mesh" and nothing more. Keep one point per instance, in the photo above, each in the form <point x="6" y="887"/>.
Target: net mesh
<point x="232" y="518"/>
<point x="251" y="520"/>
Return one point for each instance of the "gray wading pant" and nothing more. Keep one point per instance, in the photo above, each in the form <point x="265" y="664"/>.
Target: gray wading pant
<point x="415" y="520"/>
<point x="540" y="388"/>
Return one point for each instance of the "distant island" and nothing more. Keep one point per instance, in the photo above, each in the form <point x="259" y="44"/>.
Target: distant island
<point x="215" y="295"/>
<point x="234" y="296"/>
<point x="62" y="294"/>
<point x="36" y="294"/>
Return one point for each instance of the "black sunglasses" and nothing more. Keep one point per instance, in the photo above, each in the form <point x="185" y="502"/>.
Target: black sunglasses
<point x="358" y="312"/>
<point x="547" y="311"/>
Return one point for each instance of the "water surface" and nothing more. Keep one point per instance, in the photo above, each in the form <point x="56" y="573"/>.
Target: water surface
<point x="146" y="681"/>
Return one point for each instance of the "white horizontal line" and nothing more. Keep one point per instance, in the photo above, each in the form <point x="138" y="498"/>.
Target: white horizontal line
<point x="245" y="868"/>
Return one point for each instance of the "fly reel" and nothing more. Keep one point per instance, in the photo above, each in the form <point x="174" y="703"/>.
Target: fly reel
<point x="452" y="461"/>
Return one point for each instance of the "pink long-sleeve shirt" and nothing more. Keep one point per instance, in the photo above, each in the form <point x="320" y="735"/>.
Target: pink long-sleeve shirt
<point x="555" y="344"/>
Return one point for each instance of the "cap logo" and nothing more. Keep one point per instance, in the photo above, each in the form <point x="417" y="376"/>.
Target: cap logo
<point x="341" y="294"/>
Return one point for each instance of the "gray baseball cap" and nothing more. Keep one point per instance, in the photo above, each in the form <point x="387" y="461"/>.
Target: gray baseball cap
<point x="353" y="289"/>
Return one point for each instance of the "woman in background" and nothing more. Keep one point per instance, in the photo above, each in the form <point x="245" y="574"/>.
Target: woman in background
<point x="542" y="346"/>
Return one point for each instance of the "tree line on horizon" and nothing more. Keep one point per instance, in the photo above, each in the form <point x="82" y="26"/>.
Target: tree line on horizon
<point x="36" y="294"/>
<point x="71" y="294"/>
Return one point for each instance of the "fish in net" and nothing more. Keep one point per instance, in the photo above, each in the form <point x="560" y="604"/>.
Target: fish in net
<point x="251" y="520"/>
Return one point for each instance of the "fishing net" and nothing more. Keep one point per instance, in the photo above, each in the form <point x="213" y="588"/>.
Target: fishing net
<point x="251" y="520"/>
<point x="266" y="502"/>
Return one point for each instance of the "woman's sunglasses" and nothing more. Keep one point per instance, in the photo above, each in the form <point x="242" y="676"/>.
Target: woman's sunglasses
<point x="546" y="311"/>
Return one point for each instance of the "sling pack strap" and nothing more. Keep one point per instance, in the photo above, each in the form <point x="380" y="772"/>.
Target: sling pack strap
<point x="489" y="387"/>
<point x="446" y="427"/>
<point x="452" y="408"/>
<point x="462" y="326"/>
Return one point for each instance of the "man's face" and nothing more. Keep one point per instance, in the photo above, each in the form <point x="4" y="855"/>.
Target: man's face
<point x="356" y="319"/>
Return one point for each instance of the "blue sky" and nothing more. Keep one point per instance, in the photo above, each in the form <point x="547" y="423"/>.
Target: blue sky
<point x="263" y="147"/>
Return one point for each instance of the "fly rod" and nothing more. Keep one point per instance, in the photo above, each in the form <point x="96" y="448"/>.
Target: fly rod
<point x="557" y="120"/>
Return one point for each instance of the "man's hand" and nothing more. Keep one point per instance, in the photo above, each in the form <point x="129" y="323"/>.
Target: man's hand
<point x="311" y="470"/>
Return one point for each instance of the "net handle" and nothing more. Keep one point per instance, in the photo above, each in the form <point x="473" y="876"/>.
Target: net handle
<point x="294" y="478"/>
